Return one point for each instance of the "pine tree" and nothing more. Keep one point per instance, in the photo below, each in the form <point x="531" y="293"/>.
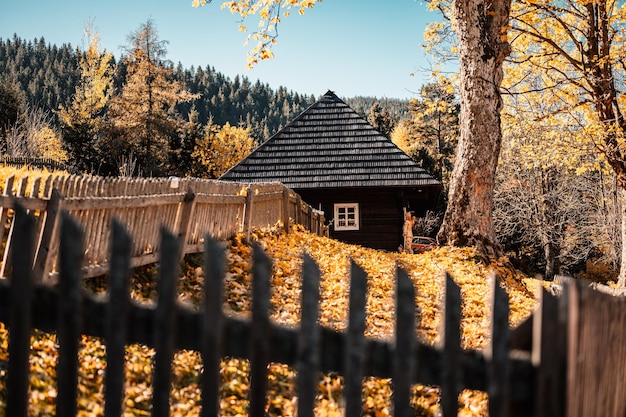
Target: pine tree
<point x="380" y="118"/>
<point x="143" y="115"/>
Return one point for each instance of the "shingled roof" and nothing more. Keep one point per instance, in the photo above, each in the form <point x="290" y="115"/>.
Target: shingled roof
<point x="330" y="145"/>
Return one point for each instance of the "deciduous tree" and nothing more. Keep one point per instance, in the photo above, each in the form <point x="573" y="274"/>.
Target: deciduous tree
<point x="545" y="208"/>
<point x="34" y="136"/>
<point x="578" y="48"/>
<point x="221" y="148"/>
<point x="480" y="29"/>
<point x="84" y="119"/>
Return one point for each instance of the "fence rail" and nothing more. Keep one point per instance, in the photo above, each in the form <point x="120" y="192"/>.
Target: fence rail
<point x="190" y="208"/>
<point x="41" y="163"/>
<point x="169" y="326"/>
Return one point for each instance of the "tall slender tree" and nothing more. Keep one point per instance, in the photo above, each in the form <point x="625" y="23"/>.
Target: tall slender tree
<point x="83" y="120"/>
<point x="142" y="117"/>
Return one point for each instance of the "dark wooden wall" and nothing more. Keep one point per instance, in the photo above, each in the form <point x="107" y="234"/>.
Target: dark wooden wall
<point x="380" y="211"/>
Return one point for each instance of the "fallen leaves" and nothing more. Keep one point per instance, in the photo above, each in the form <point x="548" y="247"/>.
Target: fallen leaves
<point x="286" y="250"/>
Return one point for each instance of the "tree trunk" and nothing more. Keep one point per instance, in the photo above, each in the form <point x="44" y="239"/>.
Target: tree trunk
<point x="621" y="282"/>
<point x="551" y="252"/>
<point x="480" y="27"/>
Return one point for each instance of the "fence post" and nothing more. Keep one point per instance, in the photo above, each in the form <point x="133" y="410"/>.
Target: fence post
<point x="451" y="349"/>
<point x="497" y="353"/>
<point x="212" y="326"/>
<point x="549" y="353"/>
<point x="189" y="203"/>
<point x="20" y="316"/>
<point x="69" y="316"/>
<point x="308" y="338"/>
<point x="247" y="217"/>
<point x="260" y="332"/>
<point x="4" y="211"/>
<point x="285" y="209"/>
<point x="355" y="341"/>
<point x="298" y="216"/>
<point x="164" y="319"/>
<point x="403" y="366"/>
<point x="48" y="246"/>
<point x="117" y="322"/>
<point x="7" y="259"/>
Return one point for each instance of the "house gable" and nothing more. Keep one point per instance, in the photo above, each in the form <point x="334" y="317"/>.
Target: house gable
<point x="331" y="156"/>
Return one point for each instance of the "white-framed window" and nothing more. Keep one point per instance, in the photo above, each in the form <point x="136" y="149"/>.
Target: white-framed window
<point x="346" y="216"/>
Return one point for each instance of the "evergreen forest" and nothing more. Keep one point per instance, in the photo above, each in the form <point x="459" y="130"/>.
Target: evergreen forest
<point x="43" y="78"/>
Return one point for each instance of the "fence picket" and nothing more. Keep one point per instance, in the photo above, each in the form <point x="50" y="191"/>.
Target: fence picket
<point x="550" y="389"/>
<point x="47" y="246"/>
<point x="404" y="344"/>
<point x="117" y="317"/>
<point x="164" y="318"/>
<point x="20" y="316"/>
<point x="308" y="338"/>
<point x="69" y="313"/>
<point x="7" y="258"/>
<point x="354" y="340"/>
<point x="212" y="326"/>
<point x="451" y="349"/>
<point x="497" y="352"/>
<point x="260" y="332"/>
<point x="4" y="211"/>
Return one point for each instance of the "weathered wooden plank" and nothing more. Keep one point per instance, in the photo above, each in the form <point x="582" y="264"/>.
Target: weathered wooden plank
<point x="117" y="319"/>
<point x="7" y="259"/>
<point x="47" y="247"/>
<point x="284" y="214"/>
<point x="247" y="219"/>
<point x="20" y="316"/>
<point x="260" y="332"/>
<point x="69" y="311"/>
<point x="28" y="203"/>
<point x="111" y="202"/>
<point x="596" y="367"/>
<point x="497" y="353"/>
<point x="549" y="353"/>
<point x="450" y="379"/>
<point x="6" y="203"/>
<point x="403" y="372"/>
<point x="164" y="319"/>
<point x="212" y="326"/>
<point x="308" y="339"/>
<point x="355" y="341"/>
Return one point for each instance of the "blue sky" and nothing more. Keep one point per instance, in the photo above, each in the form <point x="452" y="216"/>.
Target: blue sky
<point x="353" y="47"/>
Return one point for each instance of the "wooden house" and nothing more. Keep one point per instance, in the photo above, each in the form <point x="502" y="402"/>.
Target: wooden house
<point x="339" y="163"/>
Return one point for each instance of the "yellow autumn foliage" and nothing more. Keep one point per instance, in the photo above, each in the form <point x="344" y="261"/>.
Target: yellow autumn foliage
<point x="269" y="12"/>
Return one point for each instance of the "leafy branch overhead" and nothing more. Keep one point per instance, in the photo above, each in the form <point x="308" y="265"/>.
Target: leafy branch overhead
<point x="270" y="13"/>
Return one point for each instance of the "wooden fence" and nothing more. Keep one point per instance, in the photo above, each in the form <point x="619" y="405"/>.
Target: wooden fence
<point x="566" y="360"/>
<point x="40" y="163"/>
<point x="191" y="208"/>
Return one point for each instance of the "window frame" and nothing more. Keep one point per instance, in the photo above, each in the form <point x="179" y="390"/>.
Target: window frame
<point x="336" y="219"/>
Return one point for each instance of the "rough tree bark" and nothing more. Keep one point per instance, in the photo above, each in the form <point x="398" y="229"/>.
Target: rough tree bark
<point x="481" y="29"/>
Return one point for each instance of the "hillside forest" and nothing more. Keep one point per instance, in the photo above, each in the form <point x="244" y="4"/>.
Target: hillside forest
<point x="140" y="114"/>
